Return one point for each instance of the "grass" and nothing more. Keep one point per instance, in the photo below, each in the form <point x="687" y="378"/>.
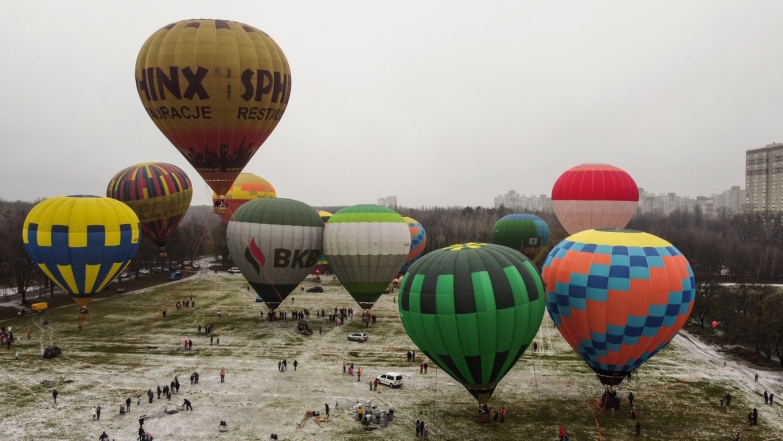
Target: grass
<point x="127" y="346"/>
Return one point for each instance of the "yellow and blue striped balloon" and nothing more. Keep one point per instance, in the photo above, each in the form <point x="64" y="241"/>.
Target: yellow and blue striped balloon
<point x="81" y="242"/>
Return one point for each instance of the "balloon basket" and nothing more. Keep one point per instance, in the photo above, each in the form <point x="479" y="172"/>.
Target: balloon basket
<point x="220" y="210"/>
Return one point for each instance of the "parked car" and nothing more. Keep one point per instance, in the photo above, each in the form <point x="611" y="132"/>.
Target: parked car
<point x="123" y="276"/>
<point x="156" y="269"/>
<point x="317" y="288"/>
<point x="175" y="275"/>
<point x="176" y="266"/>
<point x="144" y="272"/>
<point x="358" y="336"/>
<point x="233" y="270"/>
<point x="195" y="265"/>
<point x="259" y="299"/>
<point x="391" y="379"/>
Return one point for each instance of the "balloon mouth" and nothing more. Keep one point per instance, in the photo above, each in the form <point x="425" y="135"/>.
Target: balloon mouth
<point x="82" y="196"/>
<point x="610" y="378"/>
<point x="616" y="230"/>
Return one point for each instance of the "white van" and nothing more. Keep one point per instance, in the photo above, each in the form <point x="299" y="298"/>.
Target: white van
<point x="391" y="379"/>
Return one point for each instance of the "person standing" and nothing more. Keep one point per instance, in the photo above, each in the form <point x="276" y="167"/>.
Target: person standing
<point x="150" y="395"/>
<point x="359" y="373"/>
<point x="199" y="329"/>
<point x="771" y="397"/>
<point x="98" y="413"/>
<point x="327" y="408"/>
<point x="418" y="428"/>
<point x="425" y="426"/>
<point x="495" y="418"/>
<point x="80" y="326"/>
<point x="296" y="363"/>
<point x="502" y="414"/>
<point x="766" y="398"/>
<point x="630" y="398"/>
<point x="426" y="366"/>
<point x="757" y="377"/>
<point x="375" y="384"/>
<point x="54" y="395"/>
<point x="638" y="429"/>
<point x="562" y="433"/>
<point x="103" y="437"/>
<point x="210" y="340"/>
<point x="127" y="404"/>
<point x="633" y="412"/>
<point x="190" y="344"/>
<point x="222" y="375"/>
<point x="159" y="391"/>
<point x="421" y="368"/>
<point x="343" y="366"/>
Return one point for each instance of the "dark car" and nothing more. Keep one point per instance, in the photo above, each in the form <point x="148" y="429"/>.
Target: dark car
<point x="316" y="289"/>
<point x="175" y="275"/>
<point x="52" y="351"/>
<point x="259" y="299"/>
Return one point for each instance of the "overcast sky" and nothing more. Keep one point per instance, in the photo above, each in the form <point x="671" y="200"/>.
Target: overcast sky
<point x="436" y="102"/>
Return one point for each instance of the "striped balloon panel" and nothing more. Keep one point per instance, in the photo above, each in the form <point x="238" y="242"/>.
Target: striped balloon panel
<point x="158" y="193"/>
<point x="81" y="242"/>
<point x="366" y="245"/>
<point x="618" y="297"/>
<point x="418" y="242"/>
<point x="473" y="309"/>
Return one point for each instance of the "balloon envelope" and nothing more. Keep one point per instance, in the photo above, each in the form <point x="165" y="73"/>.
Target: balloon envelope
<point x="81" y="242"/>
<point x="418" y="242"/>
<point x="158" y="193"/>
<point x="366" y="245"/>
<point x="594" y="196"/>
<point x="275" y="243"/>
<point x="525" y="233"/>
<point x="617" y="297"/>
<point x="473" y="309"/>
<point x="246" y="188"/>
<point x="322" y="265"/>
<point x="216" y="89"/>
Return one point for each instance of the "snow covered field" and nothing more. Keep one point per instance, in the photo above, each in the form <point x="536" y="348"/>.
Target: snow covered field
<point x="126" y="348"/>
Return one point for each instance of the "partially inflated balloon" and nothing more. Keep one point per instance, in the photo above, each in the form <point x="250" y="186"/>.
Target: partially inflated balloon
<point x="216" y="89"/>
<point x="366" y="245"/>
<point x="246" y="188"/>
<point x="275" y="243"/>
<point x="594" y="196"/>
<point x="81" y="242"/>
<point x="418" y="242"/>
<point x="473" y="309"/>
<point x="526" y="233"/>
<point x="617" y="297"/>
<point x="158" y="193"/>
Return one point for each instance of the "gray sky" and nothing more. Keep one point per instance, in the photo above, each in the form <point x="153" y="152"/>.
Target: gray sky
<point x="436" y="102"/>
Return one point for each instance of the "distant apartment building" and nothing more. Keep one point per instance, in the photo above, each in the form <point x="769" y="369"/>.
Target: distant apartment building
<point x="390" y="201"/>
<point x="764" y="178"/>
<point x="665" y="203"/>
<point x="515" y="201"/>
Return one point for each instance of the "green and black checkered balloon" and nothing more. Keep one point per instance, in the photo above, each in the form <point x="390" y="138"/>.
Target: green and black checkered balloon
<point x="473" y="309"/>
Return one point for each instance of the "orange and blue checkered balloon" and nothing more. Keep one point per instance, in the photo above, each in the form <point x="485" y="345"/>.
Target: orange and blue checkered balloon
<point x="418" y="242"/>
<point x="617" y="297"/>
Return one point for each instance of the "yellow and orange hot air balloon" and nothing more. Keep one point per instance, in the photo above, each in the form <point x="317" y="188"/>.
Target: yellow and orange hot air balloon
<point x="246" y="188"/>
<point x="216" y="89"/>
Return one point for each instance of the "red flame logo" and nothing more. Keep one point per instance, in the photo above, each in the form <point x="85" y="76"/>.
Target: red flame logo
<point x="254" y="255"/>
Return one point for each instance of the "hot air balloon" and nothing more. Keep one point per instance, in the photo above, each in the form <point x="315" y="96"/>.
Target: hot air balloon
<point x="418" y="242"/>
<point x="216" y="89"/>
<point x="322" y="265"/>
<point x="275" y="243"/>
<point x="246" y="188"/>
<point x="366" y="245"/>
<point x="525" y="233"/>
<point x="617" y="297"/>
<point x="158" y="193"/>
<point x="81" y="242"/>
<point x="473" y="309"/>
<point x="594" y="196"/>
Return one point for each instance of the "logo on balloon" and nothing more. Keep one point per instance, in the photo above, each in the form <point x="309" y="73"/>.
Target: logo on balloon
<point x="254" y="255"/>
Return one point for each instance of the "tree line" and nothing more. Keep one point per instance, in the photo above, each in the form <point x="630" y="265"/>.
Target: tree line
<point x="734" y="256"/>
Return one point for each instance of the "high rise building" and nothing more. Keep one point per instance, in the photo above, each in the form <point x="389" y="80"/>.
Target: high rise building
<point x="390" y="202"/>
<point x="764" y="178"/>
<point x="515" y="201"/>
